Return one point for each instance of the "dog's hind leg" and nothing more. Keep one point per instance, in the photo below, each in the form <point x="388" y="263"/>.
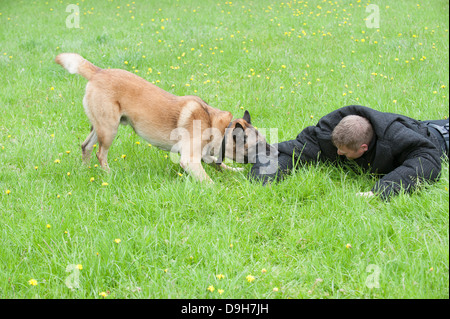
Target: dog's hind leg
<point x="105" y="118"/>
<point x="106" y="135"/>
<point x="88" y="145"/>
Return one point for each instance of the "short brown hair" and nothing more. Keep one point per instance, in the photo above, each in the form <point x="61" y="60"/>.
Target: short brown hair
<point x="352" y="131"/>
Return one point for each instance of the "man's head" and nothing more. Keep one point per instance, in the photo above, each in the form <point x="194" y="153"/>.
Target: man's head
<point x="352" y="136"/>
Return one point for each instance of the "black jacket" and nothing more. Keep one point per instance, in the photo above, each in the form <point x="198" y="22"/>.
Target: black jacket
<point x="402" y="150"/>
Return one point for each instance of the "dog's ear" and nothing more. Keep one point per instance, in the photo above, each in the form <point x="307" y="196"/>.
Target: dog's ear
<point x="238" y="132"/>
<point x="246" y="117"/>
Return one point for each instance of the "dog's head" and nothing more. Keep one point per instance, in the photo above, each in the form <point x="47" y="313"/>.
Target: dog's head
<point x="243" y="142"/>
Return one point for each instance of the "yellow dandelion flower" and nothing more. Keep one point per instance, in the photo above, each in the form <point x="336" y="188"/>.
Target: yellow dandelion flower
<point x="123" y="156"/>
<point x="8" y="192"/>
<point x="48" y="226"/>
<point x="275" y="289"/>
<point x="138" y="143"/>
<point x="250" y="278"/>
<point x="117" y="240"/>
<point x="80" y="266"/>
<point x="348" y="246"/>
<point x="92" y="179"/>
<point x="105" y="184"/>
<point x="33" y="282"/>
<point x="264" y="270"/>
<point x="220" y="291"/>
<point x="211" y="288"/>
<point x="220" y="276"/>
<point x="103" y="294"/>
<point x="57" y="161"/>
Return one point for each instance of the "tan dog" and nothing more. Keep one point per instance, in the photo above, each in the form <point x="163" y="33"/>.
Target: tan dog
<point x="115" y="96"/>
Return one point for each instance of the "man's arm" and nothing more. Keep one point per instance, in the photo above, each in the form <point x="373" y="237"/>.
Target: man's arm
<point x="303" y="149"/>
<point x="419" y="162"/>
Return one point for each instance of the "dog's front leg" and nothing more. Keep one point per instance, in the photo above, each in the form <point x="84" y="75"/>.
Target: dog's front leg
<point x="196" y="170"/>
<point x="191" y="163"/>
<point x="234" y="169"/>
<point x="213" y="160"/>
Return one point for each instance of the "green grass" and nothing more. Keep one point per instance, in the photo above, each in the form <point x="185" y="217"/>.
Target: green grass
<point x="288" y="63"/>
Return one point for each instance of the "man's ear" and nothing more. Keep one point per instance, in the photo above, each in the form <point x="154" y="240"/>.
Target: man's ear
<point x="246" y="117"/>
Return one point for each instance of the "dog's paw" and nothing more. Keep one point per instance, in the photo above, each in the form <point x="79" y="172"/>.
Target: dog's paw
<point x="234" y="169"/>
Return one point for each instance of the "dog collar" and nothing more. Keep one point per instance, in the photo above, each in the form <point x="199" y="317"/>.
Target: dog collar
<point x="222" y="146"/>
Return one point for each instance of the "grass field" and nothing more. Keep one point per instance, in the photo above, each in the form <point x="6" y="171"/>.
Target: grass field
<point x="147" y="229"/>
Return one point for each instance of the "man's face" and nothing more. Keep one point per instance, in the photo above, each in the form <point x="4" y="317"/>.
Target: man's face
<point x="350" y="153"/>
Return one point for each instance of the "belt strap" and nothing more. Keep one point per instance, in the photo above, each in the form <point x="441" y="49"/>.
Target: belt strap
<point x="442" y="133"/>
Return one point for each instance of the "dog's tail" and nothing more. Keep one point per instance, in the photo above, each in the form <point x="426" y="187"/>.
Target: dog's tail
<point x="75" y="63"/>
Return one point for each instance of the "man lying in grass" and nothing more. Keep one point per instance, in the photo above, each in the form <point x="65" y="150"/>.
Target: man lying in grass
<point x="402" y="150"/>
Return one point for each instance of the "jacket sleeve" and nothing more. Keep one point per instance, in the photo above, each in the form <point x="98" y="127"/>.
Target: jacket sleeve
<point x="417" y="158"/>
<point x="304" y="149"/>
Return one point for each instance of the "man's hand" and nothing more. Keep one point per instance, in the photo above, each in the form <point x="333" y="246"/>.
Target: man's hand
<point x="366" y="194"/>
